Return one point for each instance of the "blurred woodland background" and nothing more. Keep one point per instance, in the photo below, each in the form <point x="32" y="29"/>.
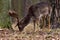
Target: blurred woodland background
<point x="21" y="7"/>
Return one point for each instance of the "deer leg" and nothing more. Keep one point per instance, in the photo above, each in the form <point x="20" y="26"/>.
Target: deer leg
<point x="34" y="24"/>
<point x="44" y="21"/>
<point x="16" y="25"/>
<point x="41" y="23"/>
<point x="48" y="20"/>
<point x="38" y="22"/>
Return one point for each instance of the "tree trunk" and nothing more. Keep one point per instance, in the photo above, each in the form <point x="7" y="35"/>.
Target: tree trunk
<point x="26" y="4"/>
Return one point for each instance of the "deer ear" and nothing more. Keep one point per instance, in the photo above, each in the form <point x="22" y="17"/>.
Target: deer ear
<point x="10" y="11"/>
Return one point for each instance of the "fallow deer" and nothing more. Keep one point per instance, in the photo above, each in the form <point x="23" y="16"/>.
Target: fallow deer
<point x="36" y="11"/>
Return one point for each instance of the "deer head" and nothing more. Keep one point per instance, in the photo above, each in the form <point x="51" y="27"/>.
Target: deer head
<point x="13" y="13"/>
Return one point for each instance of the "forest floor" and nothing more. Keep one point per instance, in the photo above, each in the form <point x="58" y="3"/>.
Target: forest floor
<point x="29" y="34"/>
